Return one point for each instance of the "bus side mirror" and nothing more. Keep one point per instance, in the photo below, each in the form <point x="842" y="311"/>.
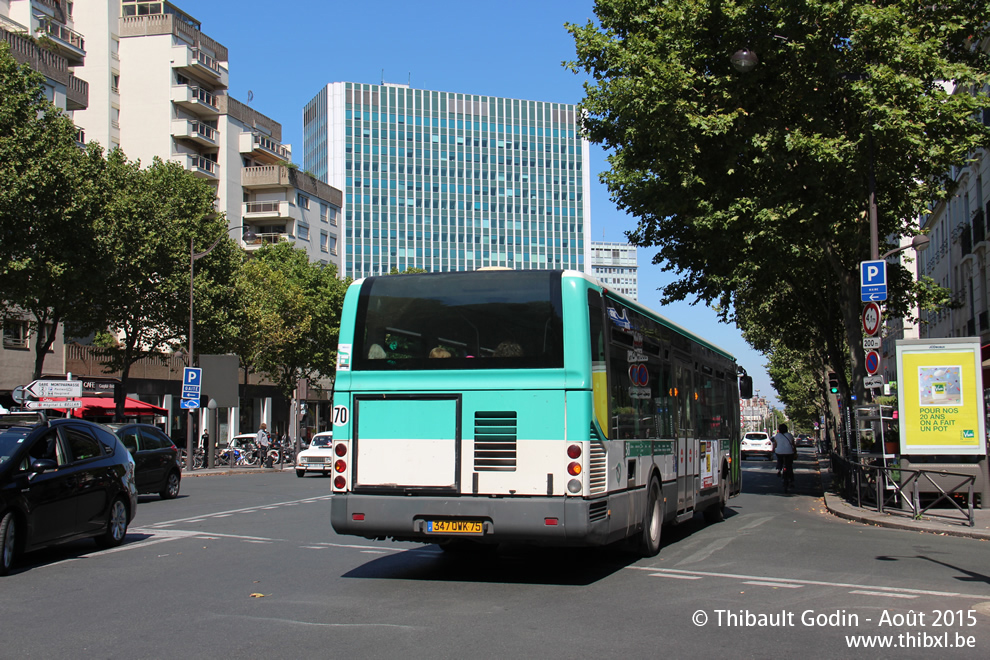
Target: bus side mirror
<point x="745" y="387"/>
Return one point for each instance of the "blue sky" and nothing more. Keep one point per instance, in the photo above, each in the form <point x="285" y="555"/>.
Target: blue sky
<point x="285" y="52"/>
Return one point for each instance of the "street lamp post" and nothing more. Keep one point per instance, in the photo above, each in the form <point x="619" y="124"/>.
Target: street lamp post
<point x="193" y="257"/>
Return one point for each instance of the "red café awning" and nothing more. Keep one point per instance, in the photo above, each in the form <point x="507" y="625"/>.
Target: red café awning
<point x="94" y="406"/>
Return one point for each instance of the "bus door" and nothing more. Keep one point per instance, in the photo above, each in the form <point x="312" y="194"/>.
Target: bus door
<point x="687" y="445"/>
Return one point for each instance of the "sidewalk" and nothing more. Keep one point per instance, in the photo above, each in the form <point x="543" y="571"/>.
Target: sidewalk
<point x="897" y="519"/>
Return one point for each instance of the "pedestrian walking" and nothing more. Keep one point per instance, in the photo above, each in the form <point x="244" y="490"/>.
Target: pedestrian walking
<point x="785" y="448"/>
<point x="262" y="440"/>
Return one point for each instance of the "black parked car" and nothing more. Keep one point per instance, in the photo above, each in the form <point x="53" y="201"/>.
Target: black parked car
<point x="61" y="480"/>
<point x="156" y="458"/>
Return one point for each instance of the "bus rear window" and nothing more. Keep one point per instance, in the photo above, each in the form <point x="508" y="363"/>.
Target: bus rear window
<point x="466" y="320"/>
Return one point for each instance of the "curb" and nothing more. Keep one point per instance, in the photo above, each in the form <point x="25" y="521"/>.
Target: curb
<point x="848" y="512"/>
<point x="219" y="472"/>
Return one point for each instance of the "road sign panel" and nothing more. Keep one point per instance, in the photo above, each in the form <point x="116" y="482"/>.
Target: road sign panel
<point x="55" y="388"/>
<point x="875" y="296"/>
<point x="872" y="362"/>
<point x="871" y="318"/>
<point x="871" y="343"/>
<point x="873" y="280"/>
<point x="192" y="382"/>
<point x="873" y="273"/>
<point x="871" y="382"/>
<point x="38" y="405"/>
<point x="19" y="395"/>
<point x="189" y="404"/>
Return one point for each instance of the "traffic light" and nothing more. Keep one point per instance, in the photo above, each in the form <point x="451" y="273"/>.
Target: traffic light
<point x="833" y="383"/>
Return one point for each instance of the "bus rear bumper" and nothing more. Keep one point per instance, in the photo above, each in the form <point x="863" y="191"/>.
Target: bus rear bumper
<point x="559" y="521"/>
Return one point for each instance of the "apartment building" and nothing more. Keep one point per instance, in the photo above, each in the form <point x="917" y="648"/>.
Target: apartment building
<point x="23" y="24"/>
<point x="163" y="93"/>
<point x="615" y="265"/>
<point x="446" y="181"/>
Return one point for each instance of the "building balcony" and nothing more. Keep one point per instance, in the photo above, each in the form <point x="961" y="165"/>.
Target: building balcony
<point x="198" y="165"/>
<point x="195" y="63"/>
<point x="270" y="238"/>
<point x="76" y="93"/>
<point x="264" y="148"/>
<point x="267" y="210"/>
<point x="267" y="176"/>
<point x="196" y="100"/>
<point x="196" y="131"/>
<point x="26" y="51"/>
<point x="69" y="43"/>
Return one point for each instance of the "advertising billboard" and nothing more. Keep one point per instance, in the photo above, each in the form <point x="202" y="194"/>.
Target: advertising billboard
<point x="941" y="396"/>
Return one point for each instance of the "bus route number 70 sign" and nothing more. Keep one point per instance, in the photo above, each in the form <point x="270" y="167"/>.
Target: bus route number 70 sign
<point x="340" y="415"/>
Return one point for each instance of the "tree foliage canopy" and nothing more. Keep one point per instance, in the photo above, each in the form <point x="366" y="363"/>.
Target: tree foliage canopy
<point x="50" y="197"/>
<point x="754" y="186"/>
<point x="291" y="315"/>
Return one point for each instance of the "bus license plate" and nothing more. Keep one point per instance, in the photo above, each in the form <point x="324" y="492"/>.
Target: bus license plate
<point x="453" y="527"/>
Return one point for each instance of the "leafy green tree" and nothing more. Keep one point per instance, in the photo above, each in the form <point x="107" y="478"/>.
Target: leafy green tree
<point x="49" y="201"/>
<point x="152" y="220"/>
<point x="291" y="315"/>
<point x="754" y="186"/>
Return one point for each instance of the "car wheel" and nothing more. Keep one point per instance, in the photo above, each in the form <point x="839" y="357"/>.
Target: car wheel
<point x="171" y="490"/>
<point x="116" y="525"/>
<point x="649" y="544"/>
<point x="300" y="473"/>
<point x="8" y="542"/>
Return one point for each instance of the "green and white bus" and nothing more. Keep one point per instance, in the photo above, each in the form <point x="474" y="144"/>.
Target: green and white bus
<point x="525" y="406"/>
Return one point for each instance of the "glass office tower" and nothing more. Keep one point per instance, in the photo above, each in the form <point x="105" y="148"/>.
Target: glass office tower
<point x="444" y="181"/>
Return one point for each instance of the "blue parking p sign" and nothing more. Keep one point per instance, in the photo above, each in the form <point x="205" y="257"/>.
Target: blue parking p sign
<point x="873" y="280"/>
<point x="192" y="382"/>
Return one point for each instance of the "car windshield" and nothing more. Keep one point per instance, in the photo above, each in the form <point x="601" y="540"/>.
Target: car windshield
<point x="323" y="441"/>
<point x="10" y="440"/>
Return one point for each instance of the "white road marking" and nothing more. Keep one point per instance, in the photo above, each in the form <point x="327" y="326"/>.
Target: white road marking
<point x="782" y="585"/>
<point x="819" y="583"/>
<point x="224" y="514"/>
<point x="707" y="551"/>
<point x="677" y="577"/>
<point x="321" y="624"/>
<point x="757" y="522"/>
<point x="880" y="593"/>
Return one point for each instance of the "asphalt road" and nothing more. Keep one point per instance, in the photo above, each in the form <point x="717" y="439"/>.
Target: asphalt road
<point x="247" y="566"/>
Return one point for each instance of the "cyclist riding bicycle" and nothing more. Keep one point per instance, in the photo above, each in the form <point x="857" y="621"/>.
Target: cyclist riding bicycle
<point x="785" y="448"/>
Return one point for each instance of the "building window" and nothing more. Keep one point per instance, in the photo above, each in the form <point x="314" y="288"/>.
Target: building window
<point x="323" y="212"/>
<point x="303" y="232"/>
<point x="324" y="247"/>
<point x="302" y="201"/>
<point x="15" y="334"/>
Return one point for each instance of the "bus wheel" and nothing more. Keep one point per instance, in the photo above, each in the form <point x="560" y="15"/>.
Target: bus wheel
<point x="716" y="512"/>
<point x="649" y="545"/>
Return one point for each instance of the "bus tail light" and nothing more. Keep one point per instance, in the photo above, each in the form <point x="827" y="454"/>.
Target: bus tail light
<point x="550" y="522"/>
<point x="339" y="482"/>
<point x="574" y="451"/>
<point x="574" y="469"/>
<point x="340" y="466"/>
<point x="340" y="449"/>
